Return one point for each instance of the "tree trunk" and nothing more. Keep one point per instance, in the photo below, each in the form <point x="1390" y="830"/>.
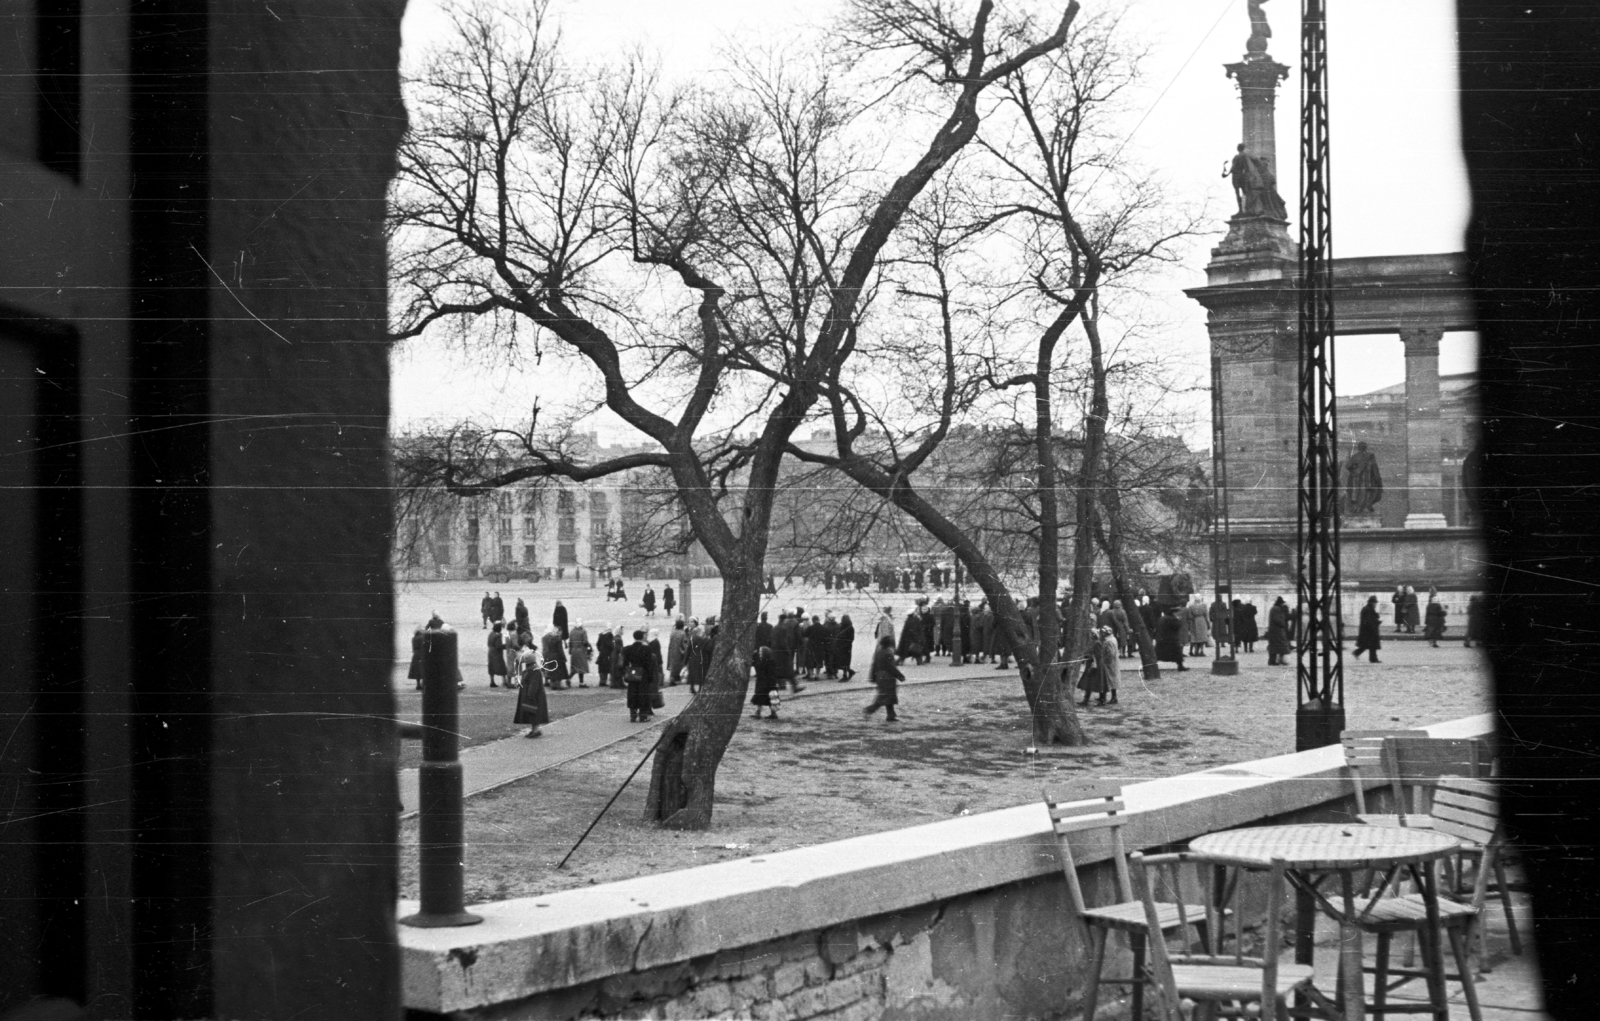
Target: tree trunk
<point x="1111" y="541"/>
<point x="683" y="777"/>
<point x="1088" y="496"/>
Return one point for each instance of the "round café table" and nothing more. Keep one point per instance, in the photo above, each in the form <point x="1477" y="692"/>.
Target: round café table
<point x="1315" y="852"/>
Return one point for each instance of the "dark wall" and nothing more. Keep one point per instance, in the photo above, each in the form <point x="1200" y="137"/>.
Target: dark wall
<point x="1531" y="136"/>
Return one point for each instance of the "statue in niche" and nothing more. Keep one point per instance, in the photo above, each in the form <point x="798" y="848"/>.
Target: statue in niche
<point x="1260" y="31"/>
<point x="1363" y="486"/>
<point x="1255" y="186"/>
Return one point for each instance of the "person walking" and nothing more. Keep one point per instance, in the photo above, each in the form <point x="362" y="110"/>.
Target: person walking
<point x="844" y="643"/>
<point x="649" y="603"/>
<point x="886" y="677"/>
<point x="533" y="708"/>
<point x="497" y="653"/>
<point x="1199" y="625"/>
<point x="1367" y="637"/>
<point x="1110" y="665"/>
<point x="555" y="659"/>
<point x="669" y="599"/>
<point x="768" y="683"/>
<point x="415" y="671"/>
<point x="513" y="652"/>
<point x="1278" y="633"/>
<point x="657" y="665"/>
<point x="910" y="640"/>
<point x="636" y="676"/>
<point x="604" y="648"/>
<point x="558" y="620"/>
<point x="1169" y="639"/>
<point x="521" y="614"/>
<point x="786" y="644"/>
<point x="486" y="608"/>
<point x="677" y="643"/>
<point x="578" y="652"/>
<point x="1089" y="676"/>
<point x="1433" y="628"/>
<point x="884" y="628"/>
<point x="497" y="608"/>
<point x="1475" y="621"/>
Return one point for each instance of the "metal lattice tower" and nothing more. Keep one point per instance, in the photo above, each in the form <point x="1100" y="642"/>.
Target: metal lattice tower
<point x="1319" y="664"/>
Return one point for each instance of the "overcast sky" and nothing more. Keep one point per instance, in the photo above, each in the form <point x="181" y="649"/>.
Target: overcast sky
<point x="1398" y="182"/>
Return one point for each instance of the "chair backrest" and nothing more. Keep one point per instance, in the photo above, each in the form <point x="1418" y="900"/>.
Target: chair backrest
<point x="1469" y="810"/>
<point x="1363" y="756"/>
<point x="1076" y="817"/>
<point x="1417" y="763"/>
<point x="1144" y="870"/>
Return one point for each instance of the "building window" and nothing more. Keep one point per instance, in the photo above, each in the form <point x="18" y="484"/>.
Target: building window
<point x="527" y="554"/>
<point x="505" y="553"/>
<point x="505" y="527"/>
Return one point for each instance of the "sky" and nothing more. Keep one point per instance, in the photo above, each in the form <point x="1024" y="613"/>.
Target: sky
<point x="1399" y="184"/>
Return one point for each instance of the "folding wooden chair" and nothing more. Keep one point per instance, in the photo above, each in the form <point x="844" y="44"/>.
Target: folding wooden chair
<point x="1225" y="984"/>
<point x="1415" y="764"/>
<point x="1363" y="759"/>
<point x="1469" y="811"/>
<point x="1080" y="820"/>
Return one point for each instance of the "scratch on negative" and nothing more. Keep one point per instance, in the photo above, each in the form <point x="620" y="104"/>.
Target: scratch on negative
<point x="236" y="298"/>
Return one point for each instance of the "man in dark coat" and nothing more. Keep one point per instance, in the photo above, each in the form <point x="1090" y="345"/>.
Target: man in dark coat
<point x="558" y="619"/>
<point x="768" y="683"/>
<point x="786" y="642"/>
<point x="1434" y="625"/>
<point x="886" y="677"/>
<point x="910" y="640"/>
<point x="982" y="633"/>
<point x="1169" y="638"/>
<point x="497" y="654"/>
<point x="497" y="608"/>
<point x="604" y="648"/>
<point x="649" y="603"/>
<point x="964" y="628"/>
<point x="636" y="668"/>
<point x="764" y="632"/>
<point x="487" y="609"/>
<point x="929" y="626"/>
<point x="1278" y="633"/>
<point x="844" y="648"/>
<point x="1122" y="628"/>
<point x="1367" y="639"/>
<point x="669" y="599"/>
<point x="944" y="626"/>
<point x="521" y="615"/>
<point x="830" y="645"/>
<point x="1475" y="621"/>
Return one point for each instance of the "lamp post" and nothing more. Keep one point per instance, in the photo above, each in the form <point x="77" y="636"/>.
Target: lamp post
<point x="1225" y="664"/>
<point x="955" y="630"/>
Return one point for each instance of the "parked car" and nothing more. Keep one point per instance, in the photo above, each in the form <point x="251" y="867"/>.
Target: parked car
<point x="499" y="574"/>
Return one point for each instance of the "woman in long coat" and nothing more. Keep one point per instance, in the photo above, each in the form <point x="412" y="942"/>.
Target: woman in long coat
<point x="1434" y="627"/>
<point x="657" y="662"/>
<point x="1399" y="601"/>
<point x="982" y="632"/>
<point x="532" y="707"/>
<point x="1413" y="611"/>
<point x="1199" y="627"/>
<point x="555" y="659"/>
<point x="886" y="677"/>
<point x="1169" y="639"/>
<point x="558" y="619"/>
<point x="1368" y="639"/>
<point x="693" y="638"/>
<point x="649" y="603"/>
<point x="497" y="653"/>
<point x="1277" y="633"/>
<point x="578" y="650"/>
<point x="844" y="643"/>
<point x="768" y="683"/>
<point x="1110" y="667"/>
<point x="521" y="613"/>
<point x="604" y="647"/>
<point x="1252" y="630"/>
<point x="929" y="624"/>
<point x="677" y="643"/>
<point x="415" y="673"/>
<point x="815" y="642"/>
<point x="910" y="640"/>
<point x="1475" y="621"/>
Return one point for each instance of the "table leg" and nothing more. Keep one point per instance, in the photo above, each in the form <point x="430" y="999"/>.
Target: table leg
<point x="1354" y="1002"/>
<point x="1305" y="923"/>
<point x="1432" y="945"/>
<point x="1137" y="940"/>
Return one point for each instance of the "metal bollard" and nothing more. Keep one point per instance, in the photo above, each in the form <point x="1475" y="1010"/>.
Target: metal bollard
<point x="442" y="823"/>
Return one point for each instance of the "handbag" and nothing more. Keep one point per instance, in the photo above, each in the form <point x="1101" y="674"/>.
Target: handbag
<point x="656" y="700"/>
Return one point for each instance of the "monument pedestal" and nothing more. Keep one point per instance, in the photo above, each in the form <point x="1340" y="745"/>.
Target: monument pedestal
<point x="1423" y="520"/>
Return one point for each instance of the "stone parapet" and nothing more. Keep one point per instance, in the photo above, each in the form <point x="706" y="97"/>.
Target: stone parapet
<point x="961" y="918"/>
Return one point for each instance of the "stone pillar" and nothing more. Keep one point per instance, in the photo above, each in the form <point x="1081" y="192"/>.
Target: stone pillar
<point x="1258" y="76"/>
<point x="1424" y="470"/>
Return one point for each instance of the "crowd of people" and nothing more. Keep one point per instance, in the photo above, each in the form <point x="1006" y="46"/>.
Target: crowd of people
<point x="801" y="647"/>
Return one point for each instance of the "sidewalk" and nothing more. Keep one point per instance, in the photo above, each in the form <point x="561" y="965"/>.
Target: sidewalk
<point x="497" y="763"/>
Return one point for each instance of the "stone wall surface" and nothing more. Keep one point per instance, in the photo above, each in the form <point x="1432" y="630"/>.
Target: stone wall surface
<point x="968" y="918"/>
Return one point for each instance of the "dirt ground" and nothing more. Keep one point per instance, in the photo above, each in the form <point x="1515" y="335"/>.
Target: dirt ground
<point x="823" y="772"/>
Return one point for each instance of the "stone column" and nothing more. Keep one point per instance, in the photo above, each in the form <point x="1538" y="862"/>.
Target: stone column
<point x="1424" y="471"/>
<point x="1258" y="76"/>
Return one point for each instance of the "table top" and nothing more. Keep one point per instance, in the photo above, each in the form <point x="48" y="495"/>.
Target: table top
<point x="1329" y="846"/>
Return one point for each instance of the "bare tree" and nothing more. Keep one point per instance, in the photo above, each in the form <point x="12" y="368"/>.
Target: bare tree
<point x="543" y="208"/>
<point x="1073" y="238"/>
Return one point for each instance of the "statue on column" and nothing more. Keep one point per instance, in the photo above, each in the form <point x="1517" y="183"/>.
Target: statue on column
<point x="1260" y="31"/>
<point x="1255" y="186"/>
<point x="1363" y="486"/>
